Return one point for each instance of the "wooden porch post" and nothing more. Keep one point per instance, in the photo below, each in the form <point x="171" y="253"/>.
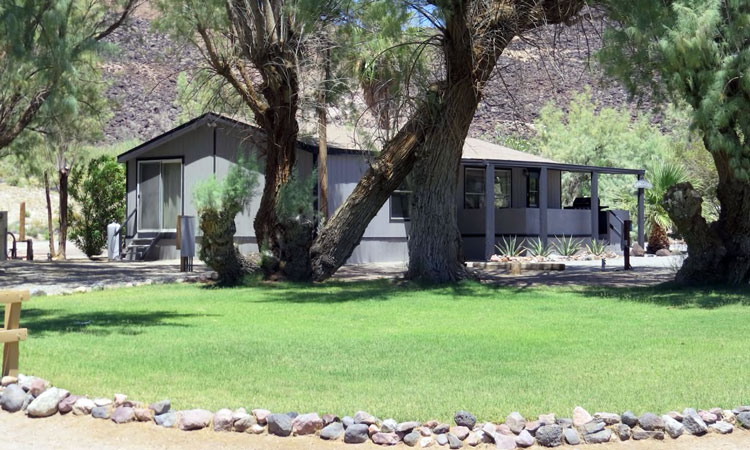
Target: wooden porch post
<point x="594" y="205"/>
<point x="543" y="200"/>
<point x="641" y="217"/>
<point x="489" y="211"/>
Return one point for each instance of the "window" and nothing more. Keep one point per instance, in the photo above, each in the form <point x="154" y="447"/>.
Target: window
<point x="400" y="199"/>
<point x="473" y="188"/>
<point x="532" y="189"/>
<point x="502" y="188"/>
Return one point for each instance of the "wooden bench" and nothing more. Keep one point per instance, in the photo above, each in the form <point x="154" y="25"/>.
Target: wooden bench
<point x="11" y="335"/>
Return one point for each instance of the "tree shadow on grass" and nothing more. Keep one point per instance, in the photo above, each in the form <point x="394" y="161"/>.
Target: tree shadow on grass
<point x="98" y="323"/>
<point x="676" y="296"/>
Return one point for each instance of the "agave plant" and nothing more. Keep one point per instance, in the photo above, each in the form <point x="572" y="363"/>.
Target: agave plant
<point x="510" y="247"/>
<point x="597" y="247"/>
<point x="567" y="246"/>
<point x="536" y="247"/>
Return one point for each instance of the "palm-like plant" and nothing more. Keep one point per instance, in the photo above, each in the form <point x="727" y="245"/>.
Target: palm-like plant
<point x="658" y="222"/>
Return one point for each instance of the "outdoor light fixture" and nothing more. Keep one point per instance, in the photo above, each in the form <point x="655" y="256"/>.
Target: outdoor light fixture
<point x="643" y="184"/>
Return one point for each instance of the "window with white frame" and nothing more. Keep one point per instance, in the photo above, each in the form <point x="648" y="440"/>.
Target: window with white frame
<point x="503" y="183"/>
<point x="400" y="200"/>
<point x="473" y="187"/>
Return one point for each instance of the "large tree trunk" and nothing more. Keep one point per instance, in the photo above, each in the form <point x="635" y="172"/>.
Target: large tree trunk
<point x="50" y="226"/>
<point x="217" y="246"/>
<point x="63" y="180"/>
<point x="719" y="252"/>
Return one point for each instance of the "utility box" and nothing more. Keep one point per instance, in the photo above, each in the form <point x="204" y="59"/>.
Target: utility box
<point x="3" y="235"/>
<point x="113" y="241"/>
<point x="187" y="243"/>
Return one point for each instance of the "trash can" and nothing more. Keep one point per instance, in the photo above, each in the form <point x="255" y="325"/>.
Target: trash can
<point x="113" y="241"/>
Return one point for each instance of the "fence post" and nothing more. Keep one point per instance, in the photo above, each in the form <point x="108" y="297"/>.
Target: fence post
<point x="22" y="222"/>
<point x="626" y="225"/>
<point x="3" y="235"/>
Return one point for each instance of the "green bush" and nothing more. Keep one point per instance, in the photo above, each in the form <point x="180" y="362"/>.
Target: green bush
<point x="99" y="190"/>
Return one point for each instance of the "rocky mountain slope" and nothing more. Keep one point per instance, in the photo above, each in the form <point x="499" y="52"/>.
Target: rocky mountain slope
<point x="551" y="65"/>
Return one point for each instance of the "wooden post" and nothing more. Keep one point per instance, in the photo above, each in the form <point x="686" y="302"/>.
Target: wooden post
<point x="594" y="205"/>
<point x="489" y="211"/>
<point x="543" y="201"/>
<point x="22" y="223"/>
<point x="3" y="235"/>
<point x="11" y="335"/>
<point x="626" y="226"/>
<point x="179" y="233"/>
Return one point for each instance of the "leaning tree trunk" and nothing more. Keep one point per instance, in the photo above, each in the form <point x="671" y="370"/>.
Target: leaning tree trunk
<point x="217" y="246"/>
<point x="719" y="252"/>
<point x="62" y="244"/>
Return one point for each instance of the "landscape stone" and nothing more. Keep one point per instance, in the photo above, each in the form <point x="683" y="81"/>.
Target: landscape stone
<point x="347" y="421"/>
<point x="243" y="423"/>
<point x="143" y="414"/>
<point x="8" y="380"/>
<point x="102" y="401"/>
<point x="224" y="420"/>
<point x="673" y="428"/>
<point x="571" y="436"/>
<point x="385" y="438"/>
<point x="442" y="439"/>
<point x="66" y="405"/>
<point x="693" y="422"/>
<point x="524" y="439"/>
<point x="261" y="415"/>
<point x="744" y="419"/>
<point x="121" y="399"/>
<point x="330" y="418"/>
<point x="426" y="441"/>
<point x="292" y="414"/>
<point x="516" y="422"/>
<point x="473" y="440"/>
<point x="465" y="419"/>
<point x="45" y="404"/>
<point x="675" y="415"/>
<point x="663" y="252"/>
<point x="37" y="386"/>
<point x="532" y="426"/>
<point x="194" y="419"/>
<point x="83" y="407"/>
<point x="504" y="429"/>
<point x="640" y="435"/>
<point x="425" y="431"/>
<point x="454" y="442"/>
<point x="166" y="420"/>
<point x="279" y="424"/>
<point x="388" y="426"/>
<point x="549" y="435"/>
<point x="356" y="434"/>
<point x="307" y="424"/>
<point x="651" y="422"/>
<point x="431" y="424"/>
<point x="332" y="431"/>
<point x="257" y="429"/>
<point x="13" y="398"/>
<point x="460" y="432"/>
<point x="718" y="412"/>
<point x="161" y="407"/>
<point x="722" y="427"/>
<point x="27" y="401"/>
<point x="629" y="419"/>
<point x="608" y="418"/>
<point x="365" y="418"/>
<point x="405" y="427"/>
<point x="599" y="437"/>
<point x="547" y="419"/>
<point x="637" y="250"/>
<point x="441" y="428"/>
<point x="504" y="442"/>
<point x="372" y="429"/>
<point x="623" y="431"/>
<point x="708" y="417"/>
<point x="123" y="414"/>
<point x="100" y="412"/>
<point x="592" y="427"/>
<point x="728" y="416"/>
<point x="564" y="422"/>
<point x="411" y="439"/>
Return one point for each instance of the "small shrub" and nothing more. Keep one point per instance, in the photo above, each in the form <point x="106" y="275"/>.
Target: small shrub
<point x="597" y="247"/>
<point x="567" y="246"/>
<point x="536" y="247"/>
<point x="510" y="247"/>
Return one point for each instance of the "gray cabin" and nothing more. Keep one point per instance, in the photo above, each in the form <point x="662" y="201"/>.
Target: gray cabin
<point x="526" y="189"/>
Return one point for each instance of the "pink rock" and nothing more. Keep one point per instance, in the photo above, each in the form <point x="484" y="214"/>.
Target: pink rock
<point x="547" y="419"/>
<point x="532" y="426"/>
<point x="385" y="438"/>
<point x="66" y="405"/>
<point x="37" y="386"/>
<point x="123" y="414"/>
<point x="261" y="415"/>
<point x="223" y="420"/>
<point x="504" y="429"/>
<point x="431" y="424"/>
<point x="120" y="399"/>
<point x="708" y="417"/>
<point x="425" y="431"/>
<point x="307" y="424"/>
<point x="504" y="442"/>
<point x="194" y="419"/>
<point x="460" y="432"/>
<point x="372" y="429"/>
<point x="143" y="414"/>
<point x="581" y="417"/>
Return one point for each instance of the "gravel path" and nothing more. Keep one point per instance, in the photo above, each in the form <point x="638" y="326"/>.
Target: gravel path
<point x="74" y="433"/>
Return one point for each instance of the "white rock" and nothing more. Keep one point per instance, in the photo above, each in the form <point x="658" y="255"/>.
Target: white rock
<point x="83" y="407"/>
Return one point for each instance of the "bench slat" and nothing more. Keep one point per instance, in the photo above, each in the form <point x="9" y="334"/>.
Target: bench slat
<point x="13" y="335"/>
<point x="13" y="296"/>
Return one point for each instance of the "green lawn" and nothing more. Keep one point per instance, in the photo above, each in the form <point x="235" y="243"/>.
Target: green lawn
<point x="399" y="352"/>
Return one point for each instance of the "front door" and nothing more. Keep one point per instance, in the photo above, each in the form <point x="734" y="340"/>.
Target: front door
<point x="159" y="194"/>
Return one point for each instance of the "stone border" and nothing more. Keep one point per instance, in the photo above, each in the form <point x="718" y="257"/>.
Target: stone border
<point x="38" y="399"/>
<point x="545" y="266"/>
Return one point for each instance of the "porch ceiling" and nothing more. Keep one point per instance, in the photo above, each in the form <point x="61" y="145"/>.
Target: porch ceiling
<point x="555" y="166"/>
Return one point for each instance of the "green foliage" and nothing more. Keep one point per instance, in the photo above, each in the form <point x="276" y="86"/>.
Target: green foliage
<point x="99" y="190"/>
<point x="567" y="246"/>
<point x="510" y="247"/>
<point x="297" y="197"/>
<point x="536" y="247"/>
<point x="597" y="247"/>
<point x="231" y="194"/>
<point x="203" y="93"/>
<point x="692" y="51"/>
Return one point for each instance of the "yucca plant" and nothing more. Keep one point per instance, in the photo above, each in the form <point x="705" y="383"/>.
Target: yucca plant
<point x="657" y="219"/>
<point x="536" y="247"/>
<point x="597" y="247"/>
<point x="567" y="246"/>
<point x="510" y="247"/>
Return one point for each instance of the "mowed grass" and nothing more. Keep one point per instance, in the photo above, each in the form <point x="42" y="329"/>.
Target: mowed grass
<point x="402" y="352"/>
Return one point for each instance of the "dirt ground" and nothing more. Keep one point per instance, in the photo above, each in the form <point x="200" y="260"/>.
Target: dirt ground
<point x="68" y="432"/>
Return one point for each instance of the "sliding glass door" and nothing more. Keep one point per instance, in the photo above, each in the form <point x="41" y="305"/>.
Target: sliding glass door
<point x="159" y="194"/>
